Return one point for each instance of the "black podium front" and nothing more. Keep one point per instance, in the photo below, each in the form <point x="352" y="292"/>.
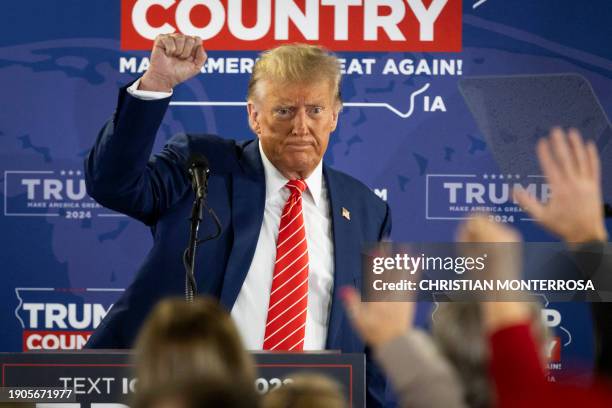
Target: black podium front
<point x="105" y="379"/>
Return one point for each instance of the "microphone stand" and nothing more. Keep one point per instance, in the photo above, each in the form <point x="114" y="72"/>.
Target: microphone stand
<point x="191" y="289"/>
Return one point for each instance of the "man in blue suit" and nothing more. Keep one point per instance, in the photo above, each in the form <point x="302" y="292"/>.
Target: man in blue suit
<point x="293" y="107"/>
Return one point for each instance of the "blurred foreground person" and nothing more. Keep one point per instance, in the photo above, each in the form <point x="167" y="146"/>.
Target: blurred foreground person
<point x="516" y="366"/>
<point x="459" y="332"/>
<point x="420" y="375"/>
<point x="307" y="391"/>
<point x="186" y="343"/>
<point x="211" y="392"/>
<point x="516" y="369"/>
<point x="575" y="214"/>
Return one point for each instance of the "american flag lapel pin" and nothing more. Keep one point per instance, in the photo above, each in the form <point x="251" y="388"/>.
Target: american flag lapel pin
<point x="346" y="213"/>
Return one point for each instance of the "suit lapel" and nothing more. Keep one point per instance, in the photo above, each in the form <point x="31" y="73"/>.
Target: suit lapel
<point x="248" y="201"/>
<point x="344" y="239"/>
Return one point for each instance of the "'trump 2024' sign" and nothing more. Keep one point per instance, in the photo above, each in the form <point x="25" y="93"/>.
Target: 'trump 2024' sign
<point x="343" y="25"/>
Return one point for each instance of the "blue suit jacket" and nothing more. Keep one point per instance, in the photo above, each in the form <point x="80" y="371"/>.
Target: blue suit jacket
<point x="121" y="175"/>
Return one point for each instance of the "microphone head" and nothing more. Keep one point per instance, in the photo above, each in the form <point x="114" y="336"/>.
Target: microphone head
<point x="197" y="160"/>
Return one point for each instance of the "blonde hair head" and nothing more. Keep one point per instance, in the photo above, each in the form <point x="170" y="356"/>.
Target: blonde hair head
<point x="305" y="391"/>
<point x="182" y="342"/>
<point x="296" y="63"/>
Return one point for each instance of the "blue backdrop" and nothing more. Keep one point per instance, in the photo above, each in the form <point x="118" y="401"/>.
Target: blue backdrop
<point x="64" y="259"/>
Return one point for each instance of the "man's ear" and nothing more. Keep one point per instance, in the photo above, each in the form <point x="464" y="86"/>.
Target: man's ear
<point x="253" y="118"/>
<point x="335" y="116"/>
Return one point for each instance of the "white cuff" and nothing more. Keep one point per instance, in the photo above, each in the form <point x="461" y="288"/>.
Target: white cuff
<point x="146" y="95"/>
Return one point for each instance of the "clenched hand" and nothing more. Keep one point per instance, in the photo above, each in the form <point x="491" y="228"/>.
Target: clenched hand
<point x="175" y="58"/>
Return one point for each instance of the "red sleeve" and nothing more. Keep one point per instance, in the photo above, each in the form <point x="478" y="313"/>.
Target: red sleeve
<point x="515" y="366"/>
<point x="520" y="379"/>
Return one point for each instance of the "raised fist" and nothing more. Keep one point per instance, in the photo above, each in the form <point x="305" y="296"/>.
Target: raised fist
<point x="175" y="58"/>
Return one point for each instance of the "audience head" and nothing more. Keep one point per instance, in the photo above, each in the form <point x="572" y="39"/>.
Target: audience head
<point x="183" y="342"/>
<point x="306" y="391"/>
<point x="209" y="392"/>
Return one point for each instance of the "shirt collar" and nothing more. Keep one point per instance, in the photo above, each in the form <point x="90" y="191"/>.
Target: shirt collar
<point x="275" y="181"/>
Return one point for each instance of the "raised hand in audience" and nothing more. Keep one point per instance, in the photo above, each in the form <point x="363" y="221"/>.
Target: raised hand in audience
<point x="502" y="245"/>
<point x="572" y="169"/>
<point x="420" y="375"/>
<point x="377" y="322"/>
<point x="574" y="213"/>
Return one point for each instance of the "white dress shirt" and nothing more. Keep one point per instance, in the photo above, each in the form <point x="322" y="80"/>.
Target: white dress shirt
<point x="250" y="310"/>
<point x="146" y="95"/>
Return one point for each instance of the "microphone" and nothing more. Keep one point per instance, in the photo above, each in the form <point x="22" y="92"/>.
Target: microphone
<point x="198" y="169"/>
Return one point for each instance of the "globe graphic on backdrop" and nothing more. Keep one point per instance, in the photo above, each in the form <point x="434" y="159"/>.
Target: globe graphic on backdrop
<point x="57" y="95"/>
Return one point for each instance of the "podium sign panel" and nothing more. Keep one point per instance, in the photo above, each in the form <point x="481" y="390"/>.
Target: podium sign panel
<point x="107" y="378"/>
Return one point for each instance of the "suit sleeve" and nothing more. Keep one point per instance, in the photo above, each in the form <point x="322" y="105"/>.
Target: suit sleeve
<point x="376" y="395"/>
<point x="375" y="379"/>
<point x="119" y="172"/>
<point x="385" y="231"/>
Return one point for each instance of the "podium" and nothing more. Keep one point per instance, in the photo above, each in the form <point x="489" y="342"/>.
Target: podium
<point x="105" y="379"/>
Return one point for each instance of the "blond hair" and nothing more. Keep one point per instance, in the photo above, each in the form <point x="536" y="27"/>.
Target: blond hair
<point x="182" y="342"/>
<point x="299" y="63"/>
<point x="305" y="391"/>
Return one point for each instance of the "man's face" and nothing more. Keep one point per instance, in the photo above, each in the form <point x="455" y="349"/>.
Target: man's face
<point x="293" y="123"/>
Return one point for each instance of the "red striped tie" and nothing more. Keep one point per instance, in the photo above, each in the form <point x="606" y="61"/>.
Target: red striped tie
<point x="286" y="323"/>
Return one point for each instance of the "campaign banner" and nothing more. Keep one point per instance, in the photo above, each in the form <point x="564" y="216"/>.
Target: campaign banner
<point x="412" y="25"/>
<point x="417" y="127"/>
